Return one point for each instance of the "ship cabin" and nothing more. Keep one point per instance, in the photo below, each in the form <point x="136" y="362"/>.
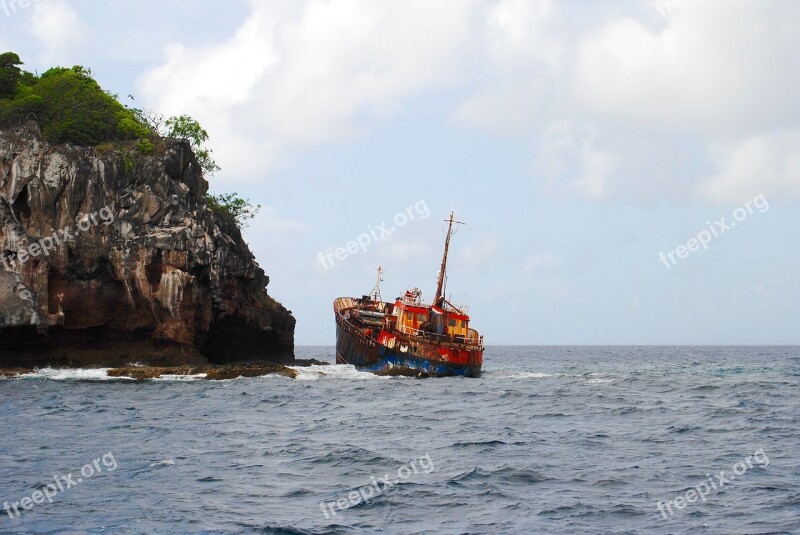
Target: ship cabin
<point x="416" y="319"/>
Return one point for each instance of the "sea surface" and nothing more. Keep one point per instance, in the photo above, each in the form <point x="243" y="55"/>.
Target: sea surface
<point x="572" y="440"/>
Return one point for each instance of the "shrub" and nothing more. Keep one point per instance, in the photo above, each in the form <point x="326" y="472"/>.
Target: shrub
<point x="68" y="104"/>
<point x="145" y="146"/>
<point x="232" y="207"/>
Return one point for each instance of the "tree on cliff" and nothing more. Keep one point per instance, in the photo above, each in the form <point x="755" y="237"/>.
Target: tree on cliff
<point x="231" y="206"/>
<point x="10" y="74"/>
<point x="184" y="127"/>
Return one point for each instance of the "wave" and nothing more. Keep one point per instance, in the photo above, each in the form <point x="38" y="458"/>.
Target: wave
<point x="97" y="374"/>
<point x="165" y="462"/>
<point x="586" y="378"/>
<point x="598" y="381"/>
<point x="287" y="530"/>
<point x="504" y="474"/>
<point x="180" y="378"/>
<point x="334" y="371"/>
<point x="304" y="373"/>
<point x="514" y="374"/>
<point x="73" y="374"/>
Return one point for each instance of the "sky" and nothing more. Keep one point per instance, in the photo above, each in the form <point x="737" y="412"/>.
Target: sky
<point x="628" y="170"/>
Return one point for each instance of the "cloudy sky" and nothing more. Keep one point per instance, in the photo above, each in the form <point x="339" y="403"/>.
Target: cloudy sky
<point x="629" y="169"/>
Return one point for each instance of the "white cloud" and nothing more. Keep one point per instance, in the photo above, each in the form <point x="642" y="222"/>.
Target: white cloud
<point x="766" y="164"/>
<point x="716" y="66"/>
<point x="520" y="32"/>
<point x="59" y="29"/>
<point x="505" y="109"/>
<point x="620" y="109"/>
<point x="625" y="110"/>
<point x="519" y="56"/>
<point x="572" y="162"/>
<point x="299" y="73"/>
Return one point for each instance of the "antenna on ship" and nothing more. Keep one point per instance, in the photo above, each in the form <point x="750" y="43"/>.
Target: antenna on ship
<point x="375" y="295"/>
<point x="442" y="272"/>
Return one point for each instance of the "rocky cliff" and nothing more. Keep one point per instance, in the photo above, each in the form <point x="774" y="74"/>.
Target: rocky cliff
<point x="111" y="257"/>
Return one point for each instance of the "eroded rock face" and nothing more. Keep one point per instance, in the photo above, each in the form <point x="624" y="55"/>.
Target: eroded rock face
<point x="110" y="257"/>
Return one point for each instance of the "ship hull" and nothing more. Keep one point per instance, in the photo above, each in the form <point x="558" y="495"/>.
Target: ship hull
<point x="368" y="355"/>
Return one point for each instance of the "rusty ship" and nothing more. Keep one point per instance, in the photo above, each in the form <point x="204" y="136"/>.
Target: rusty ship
<point x="408" y="337"/>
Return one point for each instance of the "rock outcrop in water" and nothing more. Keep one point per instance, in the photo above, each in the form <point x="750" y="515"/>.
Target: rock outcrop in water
<point x="110" y="257"/>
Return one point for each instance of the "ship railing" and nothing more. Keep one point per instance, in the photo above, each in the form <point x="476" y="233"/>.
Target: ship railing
<point x="355" y="331"/>
<point x="476" y="341"/>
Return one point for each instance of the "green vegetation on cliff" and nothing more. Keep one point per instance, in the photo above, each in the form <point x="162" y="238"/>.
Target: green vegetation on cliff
<point x="70" y="107"/>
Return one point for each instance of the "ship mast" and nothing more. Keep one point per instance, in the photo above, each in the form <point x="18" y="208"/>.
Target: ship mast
<point x="450" y="232"/>
<point x="375" y="295"/>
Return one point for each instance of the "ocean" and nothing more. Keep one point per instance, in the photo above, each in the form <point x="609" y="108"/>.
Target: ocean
<point x="573" y="440"/>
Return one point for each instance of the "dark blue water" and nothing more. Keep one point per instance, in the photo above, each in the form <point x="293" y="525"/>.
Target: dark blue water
<point x="550" y="440"/>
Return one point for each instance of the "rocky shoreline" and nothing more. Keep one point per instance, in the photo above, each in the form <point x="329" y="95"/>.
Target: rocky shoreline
<point x="210" y="372"/>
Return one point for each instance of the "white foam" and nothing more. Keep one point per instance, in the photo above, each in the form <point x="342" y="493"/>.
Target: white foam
<point x="598" y="381"/>
<point x="75" y="374"/>
<point x="181" y="378"/>
<point x="165" y="462"/>
<point x="334" y="371"/>
<point x="511" y="374"/>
